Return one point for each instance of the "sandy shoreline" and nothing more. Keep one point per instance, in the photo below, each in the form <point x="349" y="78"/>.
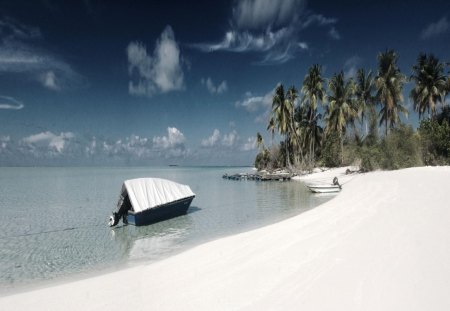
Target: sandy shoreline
<point x="382" y="244"/>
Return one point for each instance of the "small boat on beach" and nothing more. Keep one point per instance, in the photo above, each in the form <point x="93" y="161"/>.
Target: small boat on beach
<point x="325" y="188"/>
<point x="144" y="201"/>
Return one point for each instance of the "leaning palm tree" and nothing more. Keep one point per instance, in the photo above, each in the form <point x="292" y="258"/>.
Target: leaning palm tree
<point x="271" y="128"/>
<point x="365" y="99"/>
<point x="313" y="94"/>
<point x="259" y="141"/>
<point x="430" y="84"/>
<point x="341" y="107"/>
<point x="389" y="84"/>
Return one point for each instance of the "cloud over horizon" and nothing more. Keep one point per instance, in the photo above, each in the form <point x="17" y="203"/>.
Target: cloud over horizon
<point x="47" y="142"/>
<point x="229" y="140"/>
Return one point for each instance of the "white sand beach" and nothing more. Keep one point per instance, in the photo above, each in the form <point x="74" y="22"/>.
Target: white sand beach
<point x="383" y="243"/>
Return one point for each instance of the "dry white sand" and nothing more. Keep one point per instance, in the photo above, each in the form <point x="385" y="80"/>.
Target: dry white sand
<point x="325" y="176"/>
<point x="382" y="244"/>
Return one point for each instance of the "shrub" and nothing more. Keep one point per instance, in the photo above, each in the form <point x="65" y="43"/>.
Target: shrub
<point x="371" y="157"/>
<point x="331" y="151"/>
<point x="401" y="149"/>
<point x="262" y="159"/>
<point x="435" y="141"/>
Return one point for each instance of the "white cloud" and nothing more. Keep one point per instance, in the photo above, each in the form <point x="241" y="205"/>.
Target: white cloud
<point x="269" y="27"/>
<point x="21" y="52"/>
<point x="4" y="140"/>
<point x="254" y="14"/>
<point x="173" y="139"/>
<point x="11" y="29"/>
<point x="47" y="141"/>
<point x="160" y="72"/>
<point x="133" y="146"/>
<point x="245" y="41"/>
<point x="334" y="34"/>
<point x="303" y="45"/>
<point x="230" y="140"/>
<point x="91" y="147"/>
<point x="212" y="140"/>
<point x="318" y="19"/>
<point x="436" y="29"/>
<point x="48" y="79"/>
<point x="250" y="144"/>
<point x="351" y="66"/>
<point x="213" y="89"/>
<point x="261" y="104"/>
<point x="138" y="148"/>
<point x="217" y="140"/>
<point x="8" y="102"/>
<point x="49" y="148"/>
<point x="253" y="103"/>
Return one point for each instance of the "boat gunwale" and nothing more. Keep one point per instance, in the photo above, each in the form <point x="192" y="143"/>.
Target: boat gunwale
<point x="161" y="205"/>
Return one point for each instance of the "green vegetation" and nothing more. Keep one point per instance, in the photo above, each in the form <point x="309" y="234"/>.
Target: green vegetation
<point x="336" y="121"/>
<point x="435" y="139"/>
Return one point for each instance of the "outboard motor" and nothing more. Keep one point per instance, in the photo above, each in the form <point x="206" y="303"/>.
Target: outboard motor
<point x="336" y="182"/>
<point x="123" y="206"/>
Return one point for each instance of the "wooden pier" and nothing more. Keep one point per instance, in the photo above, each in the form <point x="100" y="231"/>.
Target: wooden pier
<point x="283" y="176"/>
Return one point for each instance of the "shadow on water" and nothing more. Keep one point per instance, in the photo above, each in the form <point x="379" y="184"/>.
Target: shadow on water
<point x="193" y="209"/>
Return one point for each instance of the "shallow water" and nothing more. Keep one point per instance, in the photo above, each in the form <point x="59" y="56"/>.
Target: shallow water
<point x="54" y="220"/>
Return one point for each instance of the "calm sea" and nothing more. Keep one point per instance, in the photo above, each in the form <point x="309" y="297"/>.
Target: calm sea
<point x="53" y="221"/>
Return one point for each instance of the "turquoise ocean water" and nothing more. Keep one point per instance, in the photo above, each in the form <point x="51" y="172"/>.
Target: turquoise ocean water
<point x="53" y="221"/>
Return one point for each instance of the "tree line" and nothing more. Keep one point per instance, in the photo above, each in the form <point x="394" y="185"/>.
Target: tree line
<point x="352" y="111"/>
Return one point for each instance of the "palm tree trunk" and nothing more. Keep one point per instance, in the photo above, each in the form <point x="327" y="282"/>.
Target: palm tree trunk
<point x="386" y="123"/>
<point x="288" y="161"/>
<point x="342" y="147"/>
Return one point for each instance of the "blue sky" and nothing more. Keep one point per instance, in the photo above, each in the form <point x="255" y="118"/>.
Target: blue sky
<point x="99" y="82"/>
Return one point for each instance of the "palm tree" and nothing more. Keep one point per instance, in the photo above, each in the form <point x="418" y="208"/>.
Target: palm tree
<point x="430" y="80"/>
<point x="259" y="141"/>
<point x="282" y="108"/>
<point x="389" y="84"/>
<point x="341" y="108"/>
<point x="447" y="88"/>
<point x="294" y="139"/>
<point x="313" y="93"/>
<point x="301" y="120"/>
<point x="271" y="128"/>
<point x="365" y="86"/>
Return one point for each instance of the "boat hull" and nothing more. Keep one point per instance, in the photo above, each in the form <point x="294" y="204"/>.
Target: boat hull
<point x="324" y="189"/>
<point x="163" y="212"/>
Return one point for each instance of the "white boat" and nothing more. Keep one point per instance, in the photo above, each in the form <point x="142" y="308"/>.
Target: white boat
<point x="145" y="201"/>
<point x="324" y="188"/>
